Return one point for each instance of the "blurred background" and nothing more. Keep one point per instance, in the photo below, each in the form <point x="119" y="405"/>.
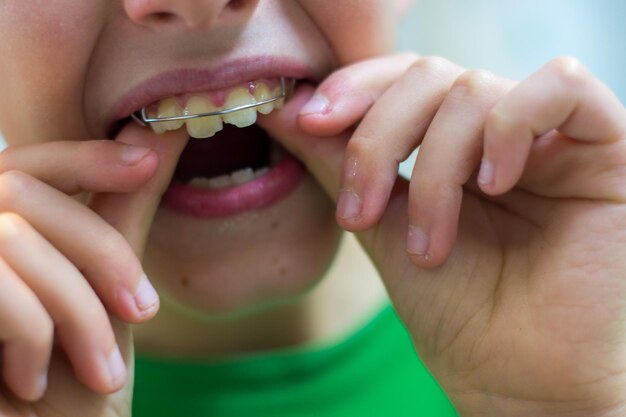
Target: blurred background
<point x="513" y="38"/>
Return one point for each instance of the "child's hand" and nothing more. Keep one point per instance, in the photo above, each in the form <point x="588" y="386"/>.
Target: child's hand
<point x="513" y="286"/>
<point x="63" y="267"/>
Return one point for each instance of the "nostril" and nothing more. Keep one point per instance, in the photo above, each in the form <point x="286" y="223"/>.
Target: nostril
<point x="238" y="4"/>
<point x="193" y="14"/>
<point x="163" y="17"/>
<point x="235" y="4"/>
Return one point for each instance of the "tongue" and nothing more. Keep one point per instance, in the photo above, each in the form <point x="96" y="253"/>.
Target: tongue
<point x="230" y="150"/>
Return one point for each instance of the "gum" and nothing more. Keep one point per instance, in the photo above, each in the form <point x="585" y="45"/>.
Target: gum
<point x="217" y="97"/>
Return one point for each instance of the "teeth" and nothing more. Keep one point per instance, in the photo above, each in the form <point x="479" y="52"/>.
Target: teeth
<point x="206" y="127"/>
<point x="278" y="104"/>
<point x="262" y="92"/>
<point x="261" y="172"/>
<point x="202" y="127"/>
<point x="239" y="177"/>
<point x="242" y="176"/>
<point x="243" y="118"/>
<point x="220" y="182"/>
<point x="168" y="108"/>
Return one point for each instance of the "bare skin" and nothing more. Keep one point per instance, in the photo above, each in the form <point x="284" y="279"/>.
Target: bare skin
<point x="510" y="280"/>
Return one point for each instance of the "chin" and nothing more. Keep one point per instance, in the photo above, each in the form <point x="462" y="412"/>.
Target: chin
<point x="240" y="264"/>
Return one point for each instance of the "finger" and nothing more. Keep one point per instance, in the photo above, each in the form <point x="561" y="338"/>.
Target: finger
<point x="559" y="167"/>
<point x="26" y="331"/>
<point x="100" y="252"/>
<point x="72" y="167"/>
<point x="80" y="319"/>
<point x="449" y="155"/>
<point x="322" y="156"/>
<point x="342" y="99"/>
<point x="132" y="213"/>
<point x="563" y="95"/>
<point x="388" y="134"/>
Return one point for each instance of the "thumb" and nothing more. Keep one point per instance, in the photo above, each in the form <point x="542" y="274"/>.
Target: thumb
<point x="323" y="156"/>
<point x="132" y="213"/>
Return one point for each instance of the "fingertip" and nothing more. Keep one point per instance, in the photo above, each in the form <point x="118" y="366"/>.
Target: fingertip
<point x="117" y="369"/>
<point x="144" y="170"/>
<point x="139" y="304"/>
<point x="29" y="389"/>
<point x="109" y="374"/>
<point x="133" y="155"/>
<point x="430" y="244"/>
<point x="349" y="208"/>
<point x="494" y="180"/>
<point x="427" y="260"/>
<point x="146" y="299"/>
<point x="487" y="177"/>
<point x="419" y="247"/>
<point x="317" y="106"/>
<point x="355" y="215"/>
<point x="38" y="388"/>
<point x="341" y="114"/>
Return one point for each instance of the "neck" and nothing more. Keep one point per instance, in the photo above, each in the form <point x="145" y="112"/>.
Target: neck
<point x="348" y="295"/>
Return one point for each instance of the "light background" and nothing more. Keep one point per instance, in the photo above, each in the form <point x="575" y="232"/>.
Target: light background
<point x="515" y="37"/>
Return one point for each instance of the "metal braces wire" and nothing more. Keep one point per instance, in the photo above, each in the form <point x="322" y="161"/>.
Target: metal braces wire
<point x="143" y="119"/>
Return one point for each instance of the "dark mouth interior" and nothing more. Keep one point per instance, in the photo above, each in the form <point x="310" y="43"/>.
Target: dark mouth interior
<point x="229" y="150"/>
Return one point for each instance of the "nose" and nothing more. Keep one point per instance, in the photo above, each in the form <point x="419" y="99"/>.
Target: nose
<point x="193" y="14"/>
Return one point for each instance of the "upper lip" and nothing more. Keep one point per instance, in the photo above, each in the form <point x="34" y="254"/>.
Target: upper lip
<point x="195" y="80"/>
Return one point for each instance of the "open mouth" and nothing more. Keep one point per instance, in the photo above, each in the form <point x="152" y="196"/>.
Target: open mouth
<point x="230" y="165"/>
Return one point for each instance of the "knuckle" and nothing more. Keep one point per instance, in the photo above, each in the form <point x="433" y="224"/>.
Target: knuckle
<point x="473" y="82"/>
<point x="12" y="227"/>
<point x="568" y="69"/>
<point x="14" y="184"/>
<point x="362" y="147"/>
<point x="407" y="56"/>
<point x="431" y="64"/>
<point x="111" y="247"/>
<point x="499" y="122"/>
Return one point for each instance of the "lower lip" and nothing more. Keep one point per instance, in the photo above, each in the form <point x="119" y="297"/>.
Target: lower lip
<point x="259" y="193"/>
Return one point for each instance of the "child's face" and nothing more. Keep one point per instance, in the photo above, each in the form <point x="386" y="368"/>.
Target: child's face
<point x="67" y="65"/>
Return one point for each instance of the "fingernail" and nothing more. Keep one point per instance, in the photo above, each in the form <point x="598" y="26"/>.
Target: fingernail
<point x="487" y="173"/>
<point x="146" y="297"/>
<point x="117" y="368"/>
<point x="131" y="155"/>
<point x="318" y="104"/>
<point x="417" y="242"/>
<point x="42" y="384"/>
<point x="348" y="205"/>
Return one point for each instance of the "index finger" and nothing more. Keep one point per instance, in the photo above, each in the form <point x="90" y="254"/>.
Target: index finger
<point x="75" y="166"/>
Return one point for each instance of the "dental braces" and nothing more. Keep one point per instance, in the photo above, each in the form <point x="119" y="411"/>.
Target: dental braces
<point x="143" y="119"/>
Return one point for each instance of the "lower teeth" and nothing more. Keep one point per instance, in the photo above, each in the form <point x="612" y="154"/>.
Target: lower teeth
<point x="240" y="176"/>
<point x="226" y="181"/>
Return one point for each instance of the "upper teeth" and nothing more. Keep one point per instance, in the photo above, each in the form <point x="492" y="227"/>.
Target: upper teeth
<point x="206" y="127"/>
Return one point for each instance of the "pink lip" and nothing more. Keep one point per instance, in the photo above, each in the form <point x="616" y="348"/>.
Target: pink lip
<point x="262" y="192"/>
<point x="181" y="81"/>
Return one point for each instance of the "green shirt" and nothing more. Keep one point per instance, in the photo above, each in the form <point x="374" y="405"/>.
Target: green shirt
<point x="374" y="372"/>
